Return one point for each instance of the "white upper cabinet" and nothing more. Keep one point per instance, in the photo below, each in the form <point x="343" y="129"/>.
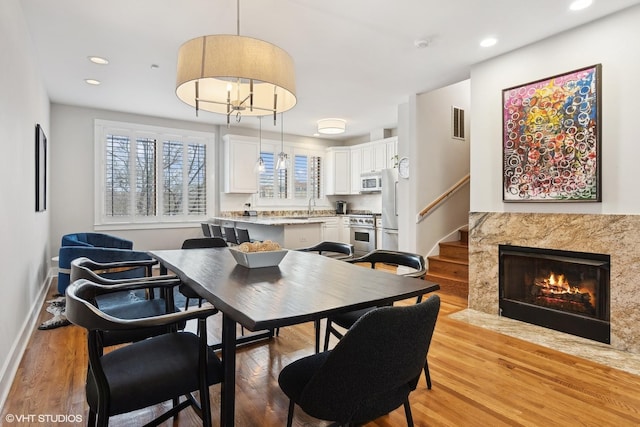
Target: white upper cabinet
<point x="240" y="156"/>
<point x="377" y="155"/>
<point x="391" y="145"/>
<point x="338" y="171"/>
<point x="346" y="164"/>
<point x="356" y="168"/>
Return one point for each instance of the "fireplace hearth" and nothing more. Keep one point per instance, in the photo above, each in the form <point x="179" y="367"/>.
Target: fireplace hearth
<point x="562" y="290"/>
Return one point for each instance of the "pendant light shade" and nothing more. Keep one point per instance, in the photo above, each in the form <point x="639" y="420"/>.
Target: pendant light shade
<point x="260" y="167"/>
<point x="231" y="74"/>
<point x="283" y="160"/>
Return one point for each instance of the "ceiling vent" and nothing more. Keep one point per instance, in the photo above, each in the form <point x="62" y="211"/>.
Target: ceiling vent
<point x="457" y="123"/>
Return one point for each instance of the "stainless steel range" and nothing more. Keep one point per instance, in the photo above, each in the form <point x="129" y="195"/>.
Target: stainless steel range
<point x="363" y="233"/>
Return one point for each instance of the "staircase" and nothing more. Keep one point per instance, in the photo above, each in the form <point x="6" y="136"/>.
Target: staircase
<point x="450" y="269"/>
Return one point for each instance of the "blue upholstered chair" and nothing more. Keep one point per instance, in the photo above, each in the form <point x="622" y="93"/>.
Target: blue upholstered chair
<point x="99" y="248"/>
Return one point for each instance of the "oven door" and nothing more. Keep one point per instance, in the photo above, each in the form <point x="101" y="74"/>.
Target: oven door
<point x="363" y="240"/>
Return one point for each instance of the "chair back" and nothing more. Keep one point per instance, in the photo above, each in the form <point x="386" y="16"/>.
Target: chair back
<point x="216" y="231"/>
<point x="375" y="366"/>
<point x="328" y="247"/>
<point x="205" y="229"/>
<point x="204" y="242"/>
<point x="406" y="259"/>
<point x="243" y="235"/>
<point x="230" y="235"/>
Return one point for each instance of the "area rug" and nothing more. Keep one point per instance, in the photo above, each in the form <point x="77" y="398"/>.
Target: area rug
<point x="56" y="307"/>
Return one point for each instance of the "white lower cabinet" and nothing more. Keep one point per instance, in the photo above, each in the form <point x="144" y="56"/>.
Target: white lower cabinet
<point x="344" y="232"/>
<point x="331" y="230"/>
<point x="302" y="235"/>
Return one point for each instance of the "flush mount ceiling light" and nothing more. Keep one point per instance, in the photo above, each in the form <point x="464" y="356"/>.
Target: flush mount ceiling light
<point x="232" y="74"/>
<point x="331" y="126"/>
<point x="93" y="82"/>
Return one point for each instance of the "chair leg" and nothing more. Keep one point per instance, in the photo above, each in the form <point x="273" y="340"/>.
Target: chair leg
<point x="427" y="376"/>
<point x="316" y="326"/>
<point x="292" y="405"/>
<point x="407" y="412"/>
<point x="186" y="304"/>
<point x="327" y="332"/>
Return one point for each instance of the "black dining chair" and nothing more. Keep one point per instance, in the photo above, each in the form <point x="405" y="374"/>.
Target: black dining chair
<point x="147" y="372"/>
<point x="206" y="230"/>
<point x="230" y="235"/>
<point x="126" y="305"/>
<point x="216" y="231"/>
<point x="418" y="268"/>
<point x="360" y="379"/>
<point x="243" y="235"/>
<point x="337" y="250"/>
<point x="207" y="242"/>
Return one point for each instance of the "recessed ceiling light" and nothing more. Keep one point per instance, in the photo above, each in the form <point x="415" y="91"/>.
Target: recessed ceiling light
<point x="98" y="60"/>
<point x="580" y="4"/>
<point x="92" y="82"/>
<point x="488" y="42"/>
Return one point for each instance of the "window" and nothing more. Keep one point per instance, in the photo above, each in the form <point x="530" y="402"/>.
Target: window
<point x="306" y="177"/>
<point x="151" y="175"/>
<point x="273" y="183"/>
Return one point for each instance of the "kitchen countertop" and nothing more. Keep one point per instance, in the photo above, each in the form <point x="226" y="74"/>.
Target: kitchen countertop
<point x="274" y="220"/>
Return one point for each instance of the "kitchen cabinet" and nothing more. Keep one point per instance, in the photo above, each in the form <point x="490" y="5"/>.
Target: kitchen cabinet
<point x="346" y="164"/>
<point x="240" y="156"/>
<point x="391" y="149"/>
<point x="344" y="233"/>
<point x="330" y="229"/>
<point x="356" y="169"/>
<point x="338" y="171"/>
<point x="302" y="235"/>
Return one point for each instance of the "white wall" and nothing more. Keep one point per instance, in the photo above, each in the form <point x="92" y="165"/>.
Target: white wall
<point x="437" y="163"/>
<point x="612" y="42"/>
<point x="24" y="253"/>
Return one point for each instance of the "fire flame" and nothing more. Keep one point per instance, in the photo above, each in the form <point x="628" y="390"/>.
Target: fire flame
<point x="560" y="284"/>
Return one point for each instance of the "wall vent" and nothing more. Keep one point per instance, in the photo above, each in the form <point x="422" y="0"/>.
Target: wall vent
<point x="457" y="123"/>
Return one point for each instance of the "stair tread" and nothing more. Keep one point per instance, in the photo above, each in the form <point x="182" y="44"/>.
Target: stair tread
<point x="446" y="276"/>
<point x="457" y="243"/>
<point x="449" y="259"/>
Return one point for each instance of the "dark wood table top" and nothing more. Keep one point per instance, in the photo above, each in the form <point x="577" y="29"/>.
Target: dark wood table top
<point x="304" y="287"/>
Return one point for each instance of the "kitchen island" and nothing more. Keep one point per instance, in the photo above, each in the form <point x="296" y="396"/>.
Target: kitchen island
<point x="289" y="232"/>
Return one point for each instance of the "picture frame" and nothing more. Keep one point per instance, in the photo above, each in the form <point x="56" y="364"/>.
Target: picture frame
<point x="41" y="169"/>
<point x="551" y="139"/>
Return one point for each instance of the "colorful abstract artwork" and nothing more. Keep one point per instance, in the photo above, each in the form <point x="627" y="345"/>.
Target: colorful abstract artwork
<point x="551" y="139"/>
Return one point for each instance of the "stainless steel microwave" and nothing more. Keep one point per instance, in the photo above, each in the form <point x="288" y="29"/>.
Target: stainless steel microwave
<point x="371" y="182"/>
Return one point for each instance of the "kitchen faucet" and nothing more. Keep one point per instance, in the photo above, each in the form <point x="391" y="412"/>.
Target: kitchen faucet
<point x="309" y="206"/>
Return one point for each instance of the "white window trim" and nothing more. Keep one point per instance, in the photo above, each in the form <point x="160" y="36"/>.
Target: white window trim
<point x="102" y="222"/>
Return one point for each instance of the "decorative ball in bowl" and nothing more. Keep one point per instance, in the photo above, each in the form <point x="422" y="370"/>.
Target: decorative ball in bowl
<point x="258" y="254"/>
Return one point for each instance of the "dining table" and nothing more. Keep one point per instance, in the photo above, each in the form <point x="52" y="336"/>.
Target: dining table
<point x="304" y="287"/>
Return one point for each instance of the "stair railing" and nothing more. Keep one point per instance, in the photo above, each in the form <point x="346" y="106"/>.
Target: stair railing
<point x="440" y="199"/>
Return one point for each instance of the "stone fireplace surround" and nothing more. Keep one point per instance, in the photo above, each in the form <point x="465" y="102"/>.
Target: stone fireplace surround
<point x="616" y="235"/>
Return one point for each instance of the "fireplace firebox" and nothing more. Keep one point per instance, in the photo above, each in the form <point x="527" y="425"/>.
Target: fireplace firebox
<point x="562" y="290"/>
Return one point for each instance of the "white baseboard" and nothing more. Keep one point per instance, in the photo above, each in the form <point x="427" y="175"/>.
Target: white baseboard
<point x="10" y="368"/>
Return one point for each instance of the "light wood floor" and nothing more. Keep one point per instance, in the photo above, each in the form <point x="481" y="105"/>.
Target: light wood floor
<point x="480" y="378"/>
